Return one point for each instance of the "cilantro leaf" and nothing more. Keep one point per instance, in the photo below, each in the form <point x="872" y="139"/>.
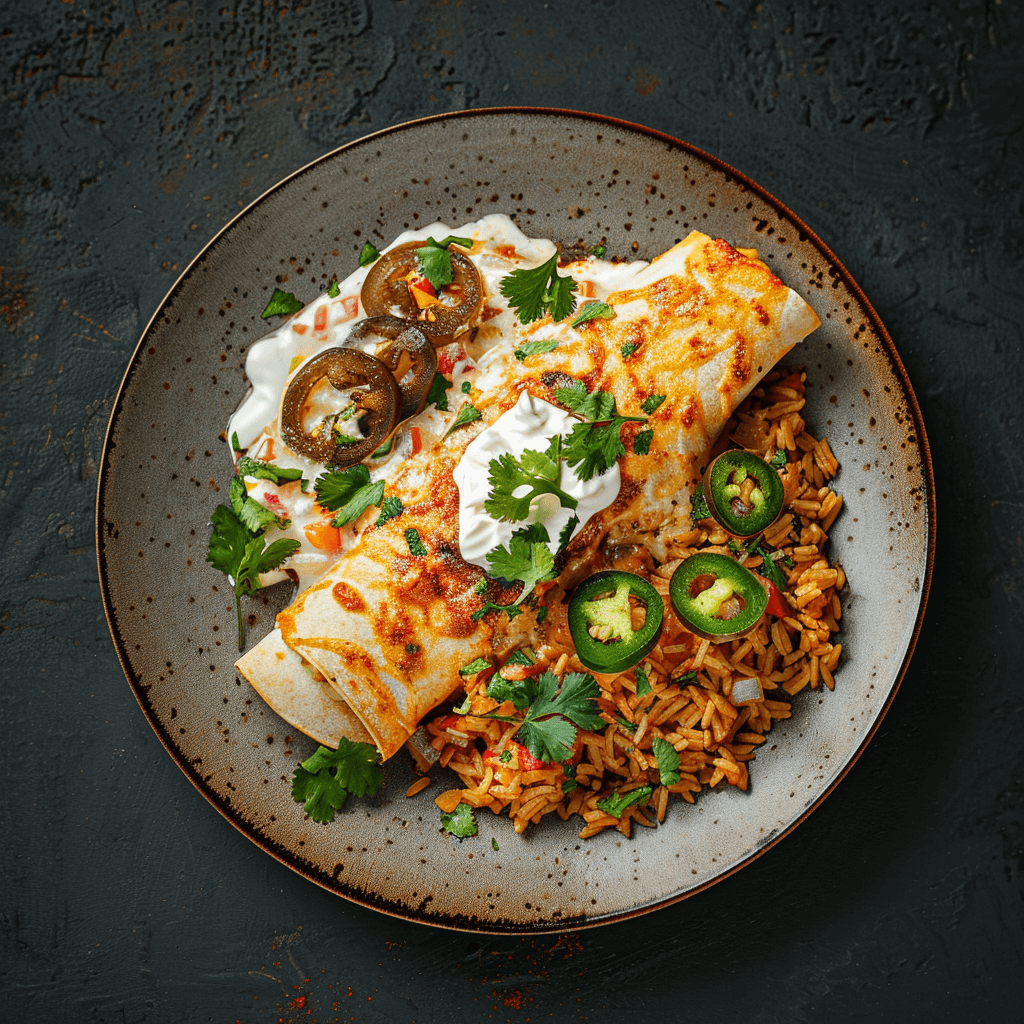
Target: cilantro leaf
<point x="698" y="506"/>
<point x="467" y="414"/>
<point x="567" y="531"/>
<point x="538" y="471"/>
<point x="460" y="822"/>
<point x="256" y="517"/>
<point x="368" y="254"/>
<point x="522" y="656"/>
<point x="592" y="449"/>
<point x="599" y="251"/>
<point x="489" y="606"/>
<point x="668" y="761"/>
<point x="436" y="261"/>
<point x="266" y="471"/>
<point x="542" y="613"/>
<point x="416" y="546"/>
<point x="333" y="291"/>
<point x="494" y="845"/>
<point x="643" y="681"/>
<point x="532" y="293"/>
<point x="617" y="803"/>
<point x="323" y="781"/>
<point x="642" y="442"/>
<point x="597" y="406"/>
<point x="438" y="393"/>
<point x="651" y="404"/>
<point x="779" y="459"/>
<point x="629" y="348"/>
<point x="348" y="492"/>
<point x="593" y="311"/>
<point x="235" y="446"/>
<point x="770" y="569"/>
<point x="391" y="508"/>
<point x="477" y="665"/>
<point x="281" y="304"/>
<point x="522" y="692"/>
<point x="529" y="561"/>
<point x="467" y="386"/>
<point x="227" y="541"/>
<point x="532" y="348"/>
<point x="549" y="739"/>
<point x="272" y="556"/>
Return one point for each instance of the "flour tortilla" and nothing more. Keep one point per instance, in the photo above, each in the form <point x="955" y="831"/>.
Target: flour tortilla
<point x="390" y="629"/>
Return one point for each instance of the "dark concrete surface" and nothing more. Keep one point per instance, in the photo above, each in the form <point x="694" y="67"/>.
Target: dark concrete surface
<point x="131" y="132"/>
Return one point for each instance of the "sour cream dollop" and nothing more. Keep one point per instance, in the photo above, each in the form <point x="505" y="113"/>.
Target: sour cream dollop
<point x="528" y="425"/>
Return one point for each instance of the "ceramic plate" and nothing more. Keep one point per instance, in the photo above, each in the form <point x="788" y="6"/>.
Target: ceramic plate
<point x="165" y="469"/>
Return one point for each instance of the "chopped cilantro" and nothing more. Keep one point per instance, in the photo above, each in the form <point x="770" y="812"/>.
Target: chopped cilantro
<point x="489" y="606"/>
<point x="569" y="771"/>
<point x="324" y="780"/>
<point x="266" y="471"/>
<point x="539" y="471"/>
<point x="348" y="492"/>
<point x="368" y="254"/>
<point x="235" y="446"/>
<point x="460" y="822"/>
<point x="593" y="311"/>
<point x="532" y="293"/>
<point x="391" y="507"/>
<point x="642" y="442"/>
<point x="475" y="666"/>
<point x="629" y="348"/>
<point x="413" y="648"/>
<point x="520" y="691"/>
<point x="651" y="403"/>
<point x="769" y="568"/>
<point x="643" y="681"/>
<point x="779" y="459"/>
<point x="699" y="506"/>
<point x="593" y="447"/>
<point x="668" y="761"/>
<point x="467" y="414"/>
<point x="542" y="613"/>
<point x="466" y="387"/>
<point x="686" y="678"/>
<point x="242" y="554"/>
<point x="494" y="845"/>
<point x="333" y="291"/>
<point x="617" y="803"/>
<point x="566" y="533"/>
<point x="505" y="756"/>
<point x="532" y="348"/>
<point x="521" y="656"/>
<point x="436" y="261"/>
<point x="416" y="546"/>
<point x="438" y="393"/>
<point x="599" y="251"/>
<point x="281" y="304"/>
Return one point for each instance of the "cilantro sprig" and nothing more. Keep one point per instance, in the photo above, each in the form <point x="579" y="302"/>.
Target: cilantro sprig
<point x="532" y="293"/>
<point x="538" y="471"/>
<point x="324" y="780"/>
<point x="348" y="492"/>
<point x="668" y="761"/>
<point x="436" y="261"/>
<point x="266" y="471"/>
<point x="593" y="446"/>
<point x="530" y="561"/>
<point x="616" y="804"/>
<point x="242" y="554"/>
<point x="557" y="710"/>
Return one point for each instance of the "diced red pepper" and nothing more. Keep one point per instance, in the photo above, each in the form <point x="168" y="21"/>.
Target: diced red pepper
<point x="351" y="305"/>
<point x="417" y="441"/>
<point x="448" y="356"/>
<point x="527" y="762"/>
<point x="320" y="319"/>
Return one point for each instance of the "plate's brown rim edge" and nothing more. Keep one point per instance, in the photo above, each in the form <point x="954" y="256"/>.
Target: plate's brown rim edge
<point x="285" y="856"/>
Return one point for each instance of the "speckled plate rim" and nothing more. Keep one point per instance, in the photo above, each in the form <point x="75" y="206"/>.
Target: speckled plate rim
<point x="285" y="855"/>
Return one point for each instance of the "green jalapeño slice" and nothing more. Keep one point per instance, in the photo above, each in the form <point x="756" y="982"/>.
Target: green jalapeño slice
<point x="744" y="494"/>
<point x="717" y="598"/>
<point x="601" y="620"/>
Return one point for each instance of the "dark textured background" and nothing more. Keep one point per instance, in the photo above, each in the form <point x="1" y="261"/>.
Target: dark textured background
<point x="131" y="132"/>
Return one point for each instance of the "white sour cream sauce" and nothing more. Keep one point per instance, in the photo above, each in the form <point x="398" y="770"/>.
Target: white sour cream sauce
<point x="529" y="424"/>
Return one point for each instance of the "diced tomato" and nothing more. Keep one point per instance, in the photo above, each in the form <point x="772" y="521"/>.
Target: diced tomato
<point x="776" y="602"/>
<point x="448" y="356"/>
<point x="527" y="762"/>
<point x="450" y="722"/>
<point x="585" y="290"/>
<point x="274" y="503"/>
<point x="299" y="328"/>
<point x="320" y="319"/>
<point x="324" y="536"/>
<point x="351" y="305"/>
<point x="417" y="441"/>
